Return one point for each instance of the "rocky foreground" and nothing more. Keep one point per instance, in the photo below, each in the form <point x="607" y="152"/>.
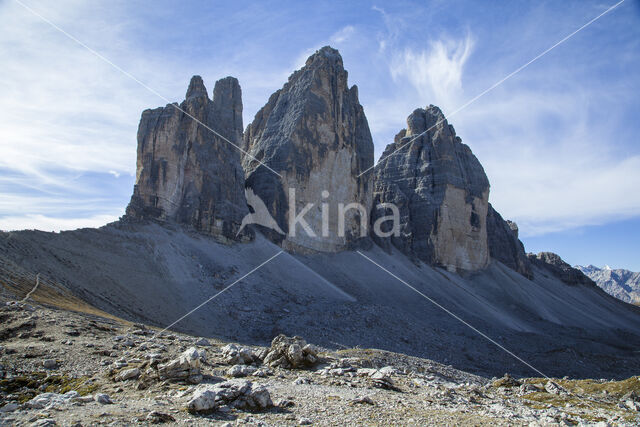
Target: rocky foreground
<point x="61" y="367"/>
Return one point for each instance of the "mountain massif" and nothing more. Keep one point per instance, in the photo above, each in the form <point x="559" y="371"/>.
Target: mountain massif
<point x="330" y="269"/>
<point x="620" y="283"/>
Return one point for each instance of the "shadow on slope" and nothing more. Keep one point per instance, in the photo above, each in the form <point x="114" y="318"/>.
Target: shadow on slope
<point x="156" y="274"/>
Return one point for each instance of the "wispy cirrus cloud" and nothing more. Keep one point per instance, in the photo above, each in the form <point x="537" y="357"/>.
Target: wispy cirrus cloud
<point x="68" y="131"/>
<point x="543" y="136"/>
<point x="343" y="34"/>
<point x="436" y="71"/>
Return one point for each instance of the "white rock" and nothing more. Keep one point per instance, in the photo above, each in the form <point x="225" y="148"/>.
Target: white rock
<point x="9" y="407"/>
<point x="203" y="342"/>
<point x="389" y="370"/>
<point x="51" y="400"/>
<point x="49" y="364"/>
<point x="194" y="357"/>
<point x="128" y="374"/>
<point x="203" y="400"/>
<point x="379" y="375"/>
<point x="234" y="354"/>
<point x="102" y="398"/>
<point x="187" y="366"/>
<point x="44" y="422"/>
<point x="554" y="388"/>
<point x="365" y="372"/>
<point x="261" y="396"/>
<point x="241" y="371"/>
<point x="635" y="406"/>
<point x="302" y="380"/>
<point x="263" y="372"/>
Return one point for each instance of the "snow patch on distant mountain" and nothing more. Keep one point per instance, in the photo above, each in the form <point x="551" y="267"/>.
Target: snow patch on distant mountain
<point x="620" y="283"/>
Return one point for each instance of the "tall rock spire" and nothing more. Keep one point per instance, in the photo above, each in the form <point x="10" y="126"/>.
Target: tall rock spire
<point x="186" y="173"/>
<point x="314" y="133"/>
<point x="441" y="191"/>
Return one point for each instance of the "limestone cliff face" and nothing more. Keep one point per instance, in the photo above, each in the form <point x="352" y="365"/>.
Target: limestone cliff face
<point x="504" y="244"/>
<point x="187" y="174"/>
<point x="441" y="191"/>
<point x="314" y="133"/>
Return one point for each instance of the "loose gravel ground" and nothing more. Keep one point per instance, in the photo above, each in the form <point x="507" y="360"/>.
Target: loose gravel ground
<point x="60" y="367"/>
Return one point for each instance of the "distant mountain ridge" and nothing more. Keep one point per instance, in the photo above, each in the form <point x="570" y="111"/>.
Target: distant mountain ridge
<point x="620" y="283"/>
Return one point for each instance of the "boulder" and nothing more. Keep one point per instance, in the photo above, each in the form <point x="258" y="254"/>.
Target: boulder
<point x="203" y="401"/>
<point x="291" y="353"/>
<point x="128" y="374"/>
<point x="240" y="394"/>
<point x="237" y="355"/>
<point x="313" y="132"/>
<point x="9" y="407"/>
<point x="203" y="342"/>
<point x="441" y="192"/>
<point x="185" y="172"/>
<point x="185" y="368"/>
<point x="49" y="364"/>
<point x="241" y="371"/>
<point x="102" y="398"/>
<point x="51" y="400"/>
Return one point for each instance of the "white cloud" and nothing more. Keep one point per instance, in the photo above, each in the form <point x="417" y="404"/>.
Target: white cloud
<point x="343" y="34"/>
<point x="548" y="138"/>
<point x="68" y="114"/>
<point x="64" y="108"/>
<point x="393" y="25"/>
<point x="436" y="72"/>
<point x="552" y="167"/>
<point x="552" y="157"/>
<point x="45" y="223"/>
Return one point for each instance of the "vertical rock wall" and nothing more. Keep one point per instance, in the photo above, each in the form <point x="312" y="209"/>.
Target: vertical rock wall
<point x="441" y="191"/>
<point x="187" y="174"/>
<point x="314" y="133"/>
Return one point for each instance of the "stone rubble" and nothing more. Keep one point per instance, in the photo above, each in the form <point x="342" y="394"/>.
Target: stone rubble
<point x="291" y="353"/>
<point x="237" y="355"/>
<point x="236" y="394"/>
<point x="186" y="367"/>
<point x="102" y="379"/>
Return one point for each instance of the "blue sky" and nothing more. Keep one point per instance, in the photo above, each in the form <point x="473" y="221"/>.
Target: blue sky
<point x="559" y="140"/>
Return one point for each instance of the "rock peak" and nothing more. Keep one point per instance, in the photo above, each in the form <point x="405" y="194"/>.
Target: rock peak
<point x="328" y="55"/>
<point x="187" y="174"/>
<point x="314" y="132"/>
<point x="196" y="88"/>
<point x="227" y="107"/>
<point x="442" y="193"/>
